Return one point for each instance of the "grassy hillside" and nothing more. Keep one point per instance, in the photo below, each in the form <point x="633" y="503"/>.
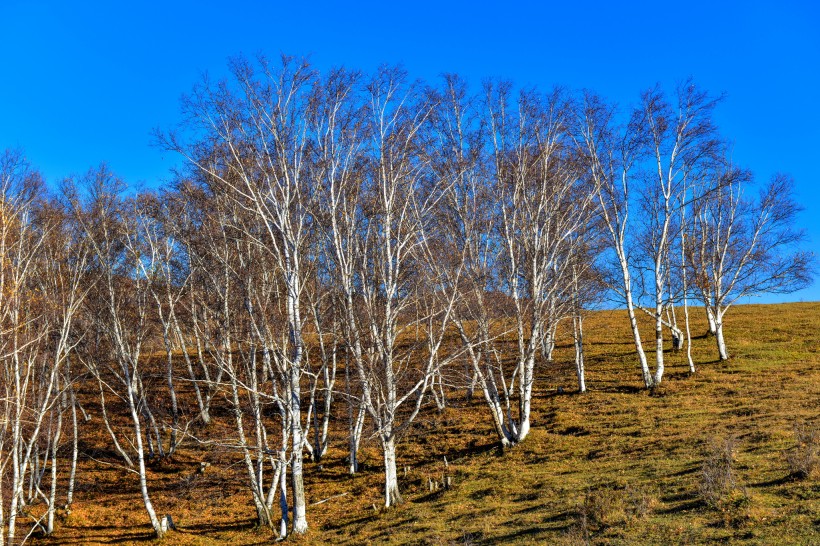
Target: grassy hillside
<point x="617" y="465"/>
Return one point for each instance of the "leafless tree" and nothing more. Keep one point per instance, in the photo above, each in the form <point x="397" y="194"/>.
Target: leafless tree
<point x="119" y="304"/>
<point x="42" y="268"/>
<point x="611" y="150"/>
<point x="543" y="206"/>
<point x="744" y="247"/>
<point x="258" y="125"/>
<point x="681" y="142"/>
<point x="338" y="168"/>
<point x="378" y="227"/>
<point x="647" y="162"/>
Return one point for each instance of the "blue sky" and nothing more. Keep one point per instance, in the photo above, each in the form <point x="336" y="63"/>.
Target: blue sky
<point x="85" y="82"/>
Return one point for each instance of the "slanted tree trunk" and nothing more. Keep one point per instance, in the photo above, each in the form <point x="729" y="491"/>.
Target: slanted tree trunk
<point x="75" y="450"/>
<point x="143" y="475"/>
<point x="52" y="497"/>
<point x="117" y="447"/>
<point x="636" y="333"/>
<point x="721" y="343"/>
<point x="711" y="318"/>
<point x="356" y="428"/>
<point x="355" y="424"/>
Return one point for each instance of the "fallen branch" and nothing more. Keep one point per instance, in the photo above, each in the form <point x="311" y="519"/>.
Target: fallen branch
<point x="329" y="498"/>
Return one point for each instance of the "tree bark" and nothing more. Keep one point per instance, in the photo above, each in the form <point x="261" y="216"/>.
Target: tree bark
<point x="149" y="507"/>
<point x="300" y="524"/>
<point x="52" y="497"/>
<point x="283" y="501"/>
<point x="75" y="450"/>
<point x="711" y="318"/>
<point x="721" y="343"/>
<point x="578" y="331"/>
<point x="633" y="322"/>
<point x="392" y="496"/>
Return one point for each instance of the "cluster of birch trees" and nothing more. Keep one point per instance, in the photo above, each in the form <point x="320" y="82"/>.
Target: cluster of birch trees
<point x="356" y="248"/>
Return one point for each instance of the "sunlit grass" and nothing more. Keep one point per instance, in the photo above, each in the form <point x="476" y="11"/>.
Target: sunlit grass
<point x="617" y="465"/>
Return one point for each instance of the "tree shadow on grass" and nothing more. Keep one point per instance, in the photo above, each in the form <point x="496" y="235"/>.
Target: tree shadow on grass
<point x="473" y="448"/>
<point x="341" y="524"/>
<point x="218" y="527"/>
<point x="621" y="389"/>
<point x="788" y="478"/>
<point x="111" y="534"/>
<point x="681" y="502"/>
<point x="517" y="535"/>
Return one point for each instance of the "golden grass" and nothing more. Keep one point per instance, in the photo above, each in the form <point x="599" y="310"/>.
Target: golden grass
<point x="617" y="465"/>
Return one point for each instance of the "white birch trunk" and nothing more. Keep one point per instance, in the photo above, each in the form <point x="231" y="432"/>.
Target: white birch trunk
<point x="355" y="438"/>
<point x="283" y="500"/>
<point x="392" y="496"/>
<point x="52" y="497"/>
<point x="688" y="336"/>
<point x="710" y="316"/>
<point x="659" y="364"/>
<point x="525" y="392"/>
<point x="578" y="331"/>
<point x="149" y="507"/>
<point x="636" y="334"/>
<point x="721" y="343"/>
<point x="117" y="447"/>
<point x="75" y="450"/>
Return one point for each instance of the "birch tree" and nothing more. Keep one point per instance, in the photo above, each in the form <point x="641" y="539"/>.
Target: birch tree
<point x="468" y="218"/>
<point x="63" y="283"/>
<point x="119" y="303"/>
<point x="745" y="247"/>
<point x="610" y="150"/>
<point x="543" y="207"/>
<point x="338" y="168"/>
<point x="42" y="285"/>
<point x="681" y="141"/>
<point x="232" y="308"/>
<point x="258" y="122"/>
<point x="377" y="227"/>
<point x="29" y="379"/>
<point x="645" y="163"/>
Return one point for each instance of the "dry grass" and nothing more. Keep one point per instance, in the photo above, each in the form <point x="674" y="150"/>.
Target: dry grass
<point x="614" y="466"/>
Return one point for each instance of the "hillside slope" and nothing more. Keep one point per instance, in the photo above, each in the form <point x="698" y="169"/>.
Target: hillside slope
<point x="617" y="465"/>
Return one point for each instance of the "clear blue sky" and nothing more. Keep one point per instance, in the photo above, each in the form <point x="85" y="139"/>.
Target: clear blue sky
<point x="85" y="82"/>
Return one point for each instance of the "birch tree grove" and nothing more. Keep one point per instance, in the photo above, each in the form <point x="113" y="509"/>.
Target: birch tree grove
<point x="228" y="305"/>
<point x="611" y="150"/>
<point x="467" y="221"/>
<point x="341" y="256"/>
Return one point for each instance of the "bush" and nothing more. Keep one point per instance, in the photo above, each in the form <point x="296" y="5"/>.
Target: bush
<point x="638" y="502"/>
<point x="717" y="477"/>
<point x="804" y="458"/>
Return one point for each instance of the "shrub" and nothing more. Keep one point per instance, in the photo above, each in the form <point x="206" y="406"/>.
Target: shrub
<point x="717" y="477"/>
<point x="638" y="502"/>
<point x="804" y="458"/>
